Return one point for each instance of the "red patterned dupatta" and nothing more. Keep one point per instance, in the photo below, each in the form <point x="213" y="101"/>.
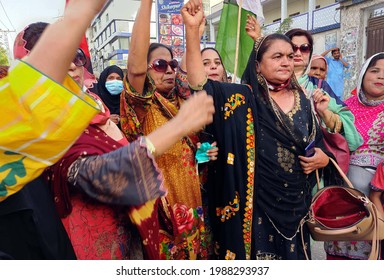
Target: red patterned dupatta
<point x="84" y="217"/>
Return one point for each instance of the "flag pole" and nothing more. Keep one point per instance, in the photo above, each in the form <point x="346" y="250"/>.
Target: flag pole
<point x="240" y="3"/>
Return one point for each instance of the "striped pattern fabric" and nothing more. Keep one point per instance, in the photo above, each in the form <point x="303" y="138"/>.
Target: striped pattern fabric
<point x="40" y="120"/>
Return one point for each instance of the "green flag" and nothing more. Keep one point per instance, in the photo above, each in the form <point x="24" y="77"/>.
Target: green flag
<point x="227" y="35"/>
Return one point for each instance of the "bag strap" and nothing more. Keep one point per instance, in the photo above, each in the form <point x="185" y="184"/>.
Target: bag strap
<point x="345" y="178"/>
<point x="375" y="249"/>
<point x="318" y="179"/>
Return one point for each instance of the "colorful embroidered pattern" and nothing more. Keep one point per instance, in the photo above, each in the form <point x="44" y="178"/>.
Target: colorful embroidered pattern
<point x="247" y="225"/>
<point x="229" y="210"/>
<point x="235" y="101"/>
<point x="231" y="159"/>
<point x="230" y="255"/>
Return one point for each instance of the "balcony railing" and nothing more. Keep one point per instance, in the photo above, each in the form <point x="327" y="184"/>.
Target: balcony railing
<point x="324" y="18"/>
<point x="327" y="16"/>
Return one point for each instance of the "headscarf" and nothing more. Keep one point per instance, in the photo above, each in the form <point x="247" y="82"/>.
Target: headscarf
<point x="111" y="101"/>
<point x="283" y="134"/>
<point x="317" y="56"/>
<point x="19" y="50"/>
<point x="255" y="79"/>
<point x="359" y="88"/>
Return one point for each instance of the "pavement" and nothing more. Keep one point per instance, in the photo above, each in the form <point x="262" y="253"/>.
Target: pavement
<point x="317" y="250"/>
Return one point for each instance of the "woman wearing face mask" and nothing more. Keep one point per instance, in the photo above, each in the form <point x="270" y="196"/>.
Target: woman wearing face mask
<point x="109" y="87"/>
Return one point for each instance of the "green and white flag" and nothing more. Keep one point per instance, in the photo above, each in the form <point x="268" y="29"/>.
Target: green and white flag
<point x="227" y="33"/>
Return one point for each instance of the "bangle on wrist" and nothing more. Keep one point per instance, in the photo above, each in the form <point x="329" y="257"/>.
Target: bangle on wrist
<point x="151" y="148"/>
<point x="338" y="124"/>
<point x="199" y="86"/>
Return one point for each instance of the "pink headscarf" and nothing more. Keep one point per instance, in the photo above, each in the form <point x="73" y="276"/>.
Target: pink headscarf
<point x="316" y="56"/>
<point x="19" y="50"/>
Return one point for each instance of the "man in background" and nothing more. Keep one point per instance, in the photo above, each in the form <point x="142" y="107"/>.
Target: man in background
<point x="336" y="65"/>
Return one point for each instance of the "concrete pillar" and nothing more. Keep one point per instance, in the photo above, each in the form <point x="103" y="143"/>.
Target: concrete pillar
<point x="283" y="10"/>
<point x="311" y="7"/>
<point x="212" y="34"/>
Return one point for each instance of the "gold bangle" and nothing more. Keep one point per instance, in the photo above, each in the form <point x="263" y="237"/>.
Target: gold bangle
<point x="151" y="148"/>
<point x="338" y="125"/>
<point x="330" y="122"/>
<point x="199" y="86"/>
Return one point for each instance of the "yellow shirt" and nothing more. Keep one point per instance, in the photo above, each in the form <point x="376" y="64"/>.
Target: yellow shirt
<point x="40" y="120"/>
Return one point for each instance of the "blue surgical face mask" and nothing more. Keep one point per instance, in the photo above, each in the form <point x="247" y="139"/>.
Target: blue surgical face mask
<point x="114" y="87"/>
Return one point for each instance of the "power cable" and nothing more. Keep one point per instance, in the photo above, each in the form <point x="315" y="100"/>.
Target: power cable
<point x="1" y="3"/>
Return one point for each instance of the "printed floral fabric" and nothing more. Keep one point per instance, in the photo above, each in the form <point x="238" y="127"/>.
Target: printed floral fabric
<point x="190" y="241"/>
<point x="143" y="113"/>
<point x="369" y="121"/>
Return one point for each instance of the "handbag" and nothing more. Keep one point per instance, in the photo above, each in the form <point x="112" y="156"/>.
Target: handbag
<point x="343" y="213"/>
<point x="336" y="144"/>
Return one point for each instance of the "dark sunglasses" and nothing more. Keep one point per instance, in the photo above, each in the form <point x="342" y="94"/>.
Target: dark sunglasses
<point x="161" y="65"/>
<point x="304" y="48"/>
<point x="80" y="58"/>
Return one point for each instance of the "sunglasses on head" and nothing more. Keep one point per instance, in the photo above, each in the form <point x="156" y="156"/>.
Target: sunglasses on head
<point x="304" y="48"/>
<point x="161" y="65"/>
<point x="80" y="58"/>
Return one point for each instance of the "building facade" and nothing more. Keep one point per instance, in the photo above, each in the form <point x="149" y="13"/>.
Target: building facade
<point x="110" y="33"/>
<point x="361" y="34"/>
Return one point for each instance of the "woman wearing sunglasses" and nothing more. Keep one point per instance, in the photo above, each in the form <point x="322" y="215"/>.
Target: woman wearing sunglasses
<point x="154" y="92"/>
<point x="262" y="181"/>
<point x="105" y="191"/>
<point x="334" y="113"/>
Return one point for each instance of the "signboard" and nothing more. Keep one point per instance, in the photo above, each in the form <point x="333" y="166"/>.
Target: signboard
<point x="119" y="62"/>
<point x="170" y="27"/>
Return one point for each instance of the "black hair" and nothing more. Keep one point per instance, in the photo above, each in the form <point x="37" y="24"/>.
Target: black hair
<point x="268" y="41"/>
<point x="375" y="59"/>
<point x="335" y="50"/>
<point x="213" y="49"/>
<point x="32" y="34"/>
<point x="300" y="32"/>
<point x="154" y="46"/>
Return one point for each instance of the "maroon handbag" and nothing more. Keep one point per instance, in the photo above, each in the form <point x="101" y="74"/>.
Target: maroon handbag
<point x="337" y="145"/>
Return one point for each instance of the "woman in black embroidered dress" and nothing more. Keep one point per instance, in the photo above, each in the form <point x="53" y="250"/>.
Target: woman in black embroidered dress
<point x="259" y="196"/>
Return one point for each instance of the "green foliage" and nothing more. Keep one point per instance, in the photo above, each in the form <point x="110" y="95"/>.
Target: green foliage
<point x="285" y="25"/>
<point x="4" y="56"/>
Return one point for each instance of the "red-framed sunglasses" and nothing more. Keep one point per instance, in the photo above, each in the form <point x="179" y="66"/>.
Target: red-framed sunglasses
<point x="304" y="48"/>
<point x="80" y="58"/>
<point x="161" y="65"/>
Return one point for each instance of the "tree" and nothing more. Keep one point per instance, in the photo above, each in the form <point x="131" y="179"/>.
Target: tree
<point x="3" y="56"/>
<point x="285" y="25"/>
